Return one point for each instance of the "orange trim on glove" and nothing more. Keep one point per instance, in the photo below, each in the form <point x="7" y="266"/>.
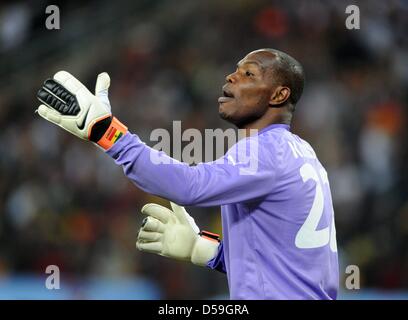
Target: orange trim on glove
<point x="210" y="236"/>
<point x="116" y="130"/>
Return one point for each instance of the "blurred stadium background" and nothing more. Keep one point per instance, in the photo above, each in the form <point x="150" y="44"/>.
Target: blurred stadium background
<point x="63" y="202"/>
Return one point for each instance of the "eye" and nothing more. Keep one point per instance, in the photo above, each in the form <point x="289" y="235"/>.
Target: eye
<point x="249" y="74"/>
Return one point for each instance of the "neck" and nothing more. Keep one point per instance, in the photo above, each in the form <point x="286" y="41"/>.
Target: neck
<point x="274" y="116"/>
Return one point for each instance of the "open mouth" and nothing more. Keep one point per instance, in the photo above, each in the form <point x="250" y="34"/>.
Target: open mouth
<point x="227" y="96"/>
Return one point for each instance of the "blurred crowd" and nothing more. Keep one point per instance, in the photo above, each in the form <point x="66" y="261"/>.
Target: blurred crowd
<point x="64" y="202"/>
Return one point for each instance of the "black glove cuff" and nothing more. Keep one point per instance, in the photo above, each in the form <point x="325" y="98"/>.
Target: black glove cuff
<point x="99" y="129"/>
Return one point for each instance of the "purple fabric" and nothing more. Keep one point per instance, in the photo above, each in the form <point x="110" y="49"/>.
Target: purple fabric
<point x="218" y="262"/>
<point x="278" y="220"/>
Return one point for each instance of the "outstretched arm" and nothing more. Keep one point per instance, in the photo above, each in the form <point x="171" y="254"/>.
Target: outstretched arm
<point x="227" y="180"/>
<point x="236" y="177"/>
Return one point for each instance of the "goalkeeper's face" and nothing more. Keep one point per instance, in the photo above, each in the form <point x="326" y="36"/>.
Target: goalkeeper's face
<point x="247" y="91"/>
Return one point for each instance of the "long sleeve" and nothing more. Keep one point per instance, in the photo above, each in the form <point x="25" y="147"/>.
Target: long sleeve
<point x="218" y="262"/>
<point x="244" y="173"/>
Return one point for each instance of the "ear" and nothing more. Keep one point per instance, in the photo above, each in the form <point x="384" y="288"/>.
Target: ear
<point x="279" y="96"/>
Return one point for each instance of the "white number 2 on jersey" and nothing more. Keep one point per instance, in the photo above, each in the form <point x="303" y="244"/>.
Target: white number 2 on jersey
<point x="308" y="237"/>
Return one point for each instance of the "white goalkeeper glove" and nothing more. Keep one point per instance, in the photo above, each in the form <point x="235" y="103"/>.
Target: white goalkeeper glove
<point x="174" y="234"/>
<point x="67" y="103"/>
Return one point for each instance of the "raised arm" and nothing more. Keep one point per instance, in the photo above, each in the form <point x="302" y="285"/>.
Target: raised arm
<point x="236" y="177"/>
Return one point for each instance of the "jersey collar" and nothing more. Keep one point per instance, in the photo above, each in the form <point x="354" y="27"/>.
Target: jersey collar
<point x="274" y="126"/>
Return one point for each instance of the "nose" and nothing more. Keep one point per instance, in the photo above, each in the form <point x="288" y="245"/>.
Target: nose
<point x="230" y="78"/>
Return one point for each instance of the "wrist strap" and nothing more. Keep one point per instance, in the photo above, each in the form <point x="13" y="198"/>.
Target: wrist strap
<point x="210" y="236"/>
<point x="116" y="130"/>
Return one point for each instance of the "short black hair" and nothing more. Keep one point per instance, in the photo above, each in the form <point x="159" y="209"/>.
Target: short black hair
<point x="289" y="72"/>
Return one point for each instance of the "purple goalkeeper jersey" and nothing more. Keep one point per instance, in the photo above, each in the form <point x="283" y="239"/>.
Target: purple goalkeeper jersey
<point x="279" y="238"/>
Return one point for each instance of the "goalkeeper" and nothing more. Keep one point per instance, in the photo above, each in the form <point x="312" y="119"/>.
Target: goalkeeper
<point x="279" y="238"/>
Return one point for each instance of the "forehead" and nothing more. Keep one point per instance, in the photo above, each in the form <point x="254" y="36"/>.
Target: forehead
<point x="264" y="59"/>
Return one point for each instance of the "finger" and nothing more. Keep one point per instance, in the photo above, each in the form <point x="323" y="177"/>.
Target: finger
<point x="153" y="247"/>
<point x="71" y="83"/>
<point x="180" y="212"/>
<point x="183" y="216"/>
<point x="75" y="87"/>
<point x="152" y="224"/>
<point x="53" y="99"/>
<point x="144" y="222"/>
<point x="102" y="84"/>
<point x="145" y="236"/>
<point x="49" y="114"/>
<point x="57" y="96"/>
<point x="102" y="88"/>
<point x="159" y="212"/>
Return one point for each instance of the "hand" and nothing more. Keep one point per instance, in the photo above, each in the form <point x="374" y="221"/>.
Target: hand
<point x="174" y="234"/>
<point x="70" y="105"/>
